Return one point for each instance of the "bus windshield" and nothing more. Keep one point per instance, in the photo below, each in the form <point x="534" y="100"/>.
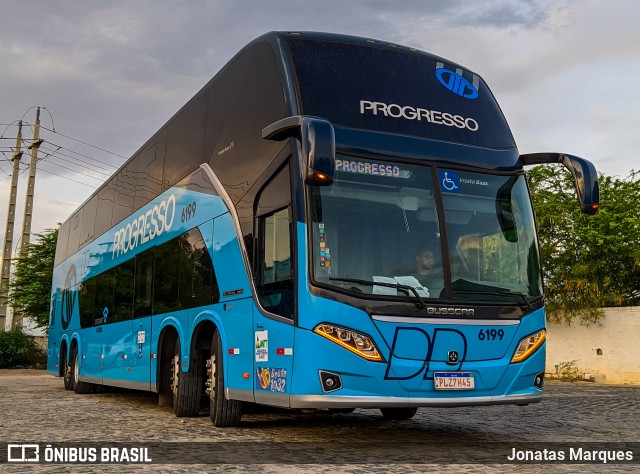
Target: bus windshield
<point x="376" y="231"/>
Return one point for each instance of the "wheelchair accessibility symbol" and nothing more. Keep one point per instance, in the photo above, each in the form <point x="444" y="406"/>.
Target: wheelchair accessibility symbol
<point x="449" y="181"/>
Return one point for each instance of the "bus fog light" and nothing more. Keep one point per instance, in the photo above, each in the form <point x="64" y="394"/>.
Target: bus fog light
<point x="528" y="345"/>
<point x="330" y="381"/>
<point x="353" y="341"/>
<point x="538" y="381"/>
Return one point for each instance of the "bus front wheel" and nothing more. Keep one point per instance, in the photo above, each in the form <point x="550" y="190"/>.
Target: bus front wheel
<point x="223" y="412"/>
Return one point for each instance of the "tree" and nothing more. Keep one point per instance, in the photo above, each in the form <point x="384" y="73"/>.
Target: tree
<point x="30" y="288"/>
<point x="589" y="262"/>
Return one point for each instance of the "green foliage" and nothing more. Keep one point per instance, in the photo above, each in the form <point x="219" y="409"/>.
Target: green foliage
<point x="589" y="262"/>
<point x="17" y="348"/>
<point x="30" y="288"/>
<point x="567" y="370"/>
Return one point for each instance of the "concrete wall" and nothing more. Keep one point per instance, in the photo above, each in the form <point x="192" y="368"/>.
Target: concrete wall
<point x="611" y="349"/>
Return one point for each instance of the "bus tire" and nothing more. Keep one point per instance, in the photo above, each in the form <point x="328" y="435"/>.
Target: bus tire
<point x="404" y="413"/>
<point x="66" y="372"/>
<point x="78" y="386"/>
<point x="186" y="386"/>
<point x="222" y="412"/>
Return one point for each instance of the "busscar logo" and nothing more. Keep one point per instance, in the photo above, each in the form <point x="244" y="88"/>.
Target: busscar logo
<point x="434" y="310"/>
<point x="457" y="84"/>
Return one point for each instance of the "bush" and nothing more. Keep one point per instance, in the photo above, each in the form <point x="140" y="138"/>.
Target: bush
<point x="18" y="348"/>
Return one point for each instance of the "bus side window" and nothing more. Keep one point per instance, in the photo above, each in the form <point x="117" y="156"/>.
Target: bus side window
<point x="275" y="278"/>
<point x="274" y="266"/>
<point x="143" y="285"/>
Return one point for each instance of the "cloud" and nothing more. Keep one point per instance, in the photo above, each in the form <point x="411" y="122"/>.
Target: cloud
<point x="566" y="73"/>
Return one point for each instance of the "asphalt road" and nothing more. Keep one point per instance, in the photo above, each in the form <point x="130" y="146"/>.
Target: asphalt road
<point x="37" y="409"/>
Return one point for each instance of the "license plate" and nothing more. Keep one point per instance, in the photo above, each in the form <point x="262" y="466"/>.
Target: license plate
<point x="454" y="380"/>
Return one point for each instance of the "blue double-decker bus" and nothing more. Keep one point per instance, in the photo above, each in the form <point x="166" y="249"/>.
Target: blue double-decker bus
<point x="332" y="222"/>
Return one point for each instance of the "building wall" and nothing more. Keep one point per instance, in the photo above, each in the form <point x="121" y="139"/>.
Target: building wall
<point x="611" y="349"/>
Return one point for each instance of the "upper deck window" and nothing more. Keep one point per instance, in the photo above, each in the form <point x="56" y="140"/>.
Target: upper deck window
<point x="397" y="91"/>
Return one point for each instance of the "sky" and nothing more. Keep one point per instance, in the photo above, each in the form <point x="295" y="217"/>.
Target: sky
<point x="110" y="73"/>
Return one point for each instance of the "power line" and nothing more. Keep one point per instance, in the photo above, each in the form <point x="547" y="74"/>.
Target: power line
<point x="85" y="143"/>
<point x="48" y="149"/>
<point x="51" y="156"/>
<point x="68" y="179"/>
<point x="74" y="170"/>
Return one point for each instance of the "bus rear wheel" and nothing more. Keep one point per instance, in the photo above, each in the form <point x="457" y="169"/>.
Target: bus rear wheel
<point x="399" y="413"/>
<point x="78" y="386"/>
<point x="222" y="412"/>
<point x="66" y="374"/>
<point x="186" y="387"/>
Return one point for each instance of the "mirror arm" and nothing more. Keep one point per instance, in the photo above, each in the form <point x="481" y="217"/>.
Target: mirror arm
<point x="284" y="128"/>
<point x="584" y="175"/>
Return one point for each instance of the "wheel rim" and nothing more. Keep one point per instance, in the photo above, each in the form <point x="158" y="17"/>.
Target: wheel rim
<point x="211" y="382"/>
<point x="175" y="374"/>
<point x="75" y="368"/>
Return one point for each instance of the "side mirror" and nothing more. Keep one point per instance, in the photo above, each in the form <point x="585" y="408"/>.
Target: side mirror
<point x="584" y="176"/>
<point x="318" y="142"/>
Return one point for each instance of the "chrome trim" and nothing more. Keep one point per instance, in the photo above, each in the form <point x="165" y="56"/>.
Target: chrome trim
<point x="245" y="256"/>
<point x="273" y="399"/>
<point x="338" y="401"/>
<point x="238" y="394"/>
<point x="465" y="322"/>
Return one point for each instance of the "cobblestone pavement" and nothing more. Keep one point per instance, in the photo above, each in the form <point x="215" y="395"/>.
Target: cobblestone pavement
<point x="37" y="409"/>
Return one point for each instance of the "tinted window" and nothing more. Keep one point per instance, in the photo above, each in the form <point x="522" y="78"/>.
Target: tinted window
<point x="149" y="182"/>
<point x="104" y="298"/>
<point x="166" y="276"/>
<point x="196" y="272"/>
<point x="74" y="233"/>
<point x="123" y="276"/>
<point x="61" y="244"/>
<point x="125" y="191"/>
<point x="105" y="208"/>
<point x="87" y="226"/>
<point x="275" y="288"/>
<point x="276" y="195"/>
<point x="396" y="91"/>
<point x="143" y="284"/>
<point x="87" y="298"/>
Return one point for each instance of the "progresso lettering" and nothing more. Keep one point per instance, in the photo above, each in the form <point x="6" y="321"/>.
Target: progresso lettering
<point x="415" y="113"/>
<point x="146" y="226"/>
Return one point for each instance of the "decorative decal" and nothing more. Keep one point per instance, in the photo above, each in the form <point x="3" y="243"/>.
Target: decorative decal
<point x="271" y="380"/>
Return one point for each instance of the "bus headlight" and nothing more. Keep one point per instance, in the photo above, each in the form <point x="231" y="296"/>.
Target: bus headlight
<point x="529" y="345"/>
<point x="353" y="341"/>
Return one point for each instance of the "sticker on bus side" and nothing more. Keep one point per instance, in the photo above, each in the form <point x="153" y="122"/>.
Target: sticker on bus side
<point x="271" y="379"/>
<point x="262" y="346"/>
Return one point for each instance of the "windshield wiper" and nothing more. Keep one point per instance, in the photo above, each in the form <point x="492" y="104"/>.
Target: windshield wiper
<point x="420" y="303"/>
<point x="498" y="293"/>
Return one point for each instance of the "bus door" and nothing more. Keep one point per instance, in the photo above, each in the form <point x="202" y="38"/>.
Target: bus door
<point x="273" y="334"/>
<point x="141" y="360"/>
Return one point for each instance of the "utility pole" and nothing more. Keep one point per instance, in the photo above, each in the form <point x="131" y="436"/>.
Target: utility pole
<point x="8" y="235"/>
<point x="28" y="203"/>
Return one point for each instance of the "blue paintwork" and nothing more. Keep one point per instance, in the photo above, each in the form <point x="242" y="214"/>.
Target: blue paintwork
<point x="110" y="353"/>
<point x="404" y="373"/>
